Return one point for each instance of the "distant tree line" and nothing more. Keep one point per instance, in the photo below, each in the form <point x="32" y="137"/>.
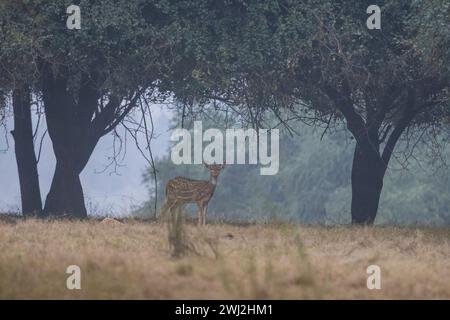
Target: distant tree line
<point x="313" y="185"/>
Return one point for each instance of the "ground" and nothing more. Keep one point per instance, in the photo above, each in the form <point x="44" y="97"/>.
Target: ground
<point x="133" y="260"/>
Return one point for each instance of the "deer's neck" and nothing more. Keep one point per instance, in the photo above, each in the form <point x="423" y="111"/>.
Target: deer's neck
<point x="213" y="180"/>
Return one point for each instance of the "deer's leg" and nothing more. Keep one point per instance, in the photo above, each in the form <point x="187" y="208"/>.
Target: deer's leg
<point x="205" y="209"/>
<point x="166" y="211"/>
<point x="174" y="205"/>
<point x="166" y="205"/>
<point x="163" y="210"/>
<point x="200" y="213"/>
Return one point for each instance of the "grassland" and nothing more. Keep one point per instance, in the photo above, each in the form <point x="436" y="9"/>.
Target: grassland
<point x="133" y="260"/>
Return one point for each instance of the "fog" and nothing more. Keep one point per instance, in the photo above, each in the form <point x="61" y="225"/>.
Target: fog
<point x="107" y="191"/>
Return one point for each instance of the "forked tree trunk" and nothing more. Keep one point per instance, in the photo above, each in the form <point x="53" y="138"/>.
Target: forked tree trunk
<point x="369" y="163"/>
<point x="73" y="148"/>
<point x="367" y="182"/>
<point x="65" y="197"/>
<point x="25" y="156"/>
<point x="75" y="125"/>
<point x="73" y="145"/>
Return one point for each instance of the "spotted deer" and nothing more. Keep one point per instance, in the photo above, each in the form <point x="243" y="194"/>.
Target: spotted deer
<point x="181" y="191"/>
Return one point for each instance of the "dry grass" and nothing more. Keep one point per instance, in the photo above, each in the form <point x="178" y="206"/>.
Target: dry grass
<point x="133" y="260"/>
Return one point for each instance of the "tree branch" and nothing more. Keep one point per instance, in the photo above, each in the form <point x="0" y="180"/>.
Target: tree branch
<point x="408" y="115"/>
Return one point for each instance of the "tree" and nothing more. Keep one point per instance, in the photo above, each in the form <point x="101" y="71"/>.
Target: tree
<point x="25" y="154"/>
<point x="14" y="83"/>
<point x="90" y="79"/>
<point x="381" y="82"/>
<point x="318" y="60"/>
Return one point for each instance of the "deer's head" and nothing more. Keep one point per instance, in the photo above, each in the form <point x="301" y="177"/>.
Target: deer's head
<point x="215" y="169"/>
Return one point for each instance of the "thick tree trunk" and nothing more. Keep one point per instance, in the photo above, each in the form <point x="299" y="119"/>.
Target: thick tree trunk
<point x="75" y="125"/>
<point x="73" y="144"/>
<point x="367" y="182"/>
<point x="25" y="155"/>
<point x="73" y="149"/>
<point x="369" y="164"/>
<point x="65" y="197"/>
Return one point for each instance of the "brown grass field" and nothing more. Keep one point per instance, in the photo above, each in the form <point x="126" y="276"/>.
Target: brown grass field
<point x="133" y="260"/>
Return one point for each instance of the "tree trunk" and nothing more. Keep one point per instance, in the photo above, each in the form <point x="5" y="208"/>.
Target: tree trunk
<point x="25" y="155"/>
<point x="73" y="144"/>
<point x="65" y="197"/>
<point x="367" y="182"/>
<point x="73" y="149"/>
<point x="75" y="125"/>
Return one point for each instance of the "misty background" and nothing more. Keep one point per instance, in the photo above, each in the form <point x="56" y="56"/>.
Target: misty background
<point x="108" y="191"/>
<point x="312" y="185"/>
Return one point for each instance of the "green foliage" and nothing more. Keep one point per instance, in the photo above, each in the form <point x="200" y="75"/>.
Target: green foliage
<point x="118" y="43"/>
